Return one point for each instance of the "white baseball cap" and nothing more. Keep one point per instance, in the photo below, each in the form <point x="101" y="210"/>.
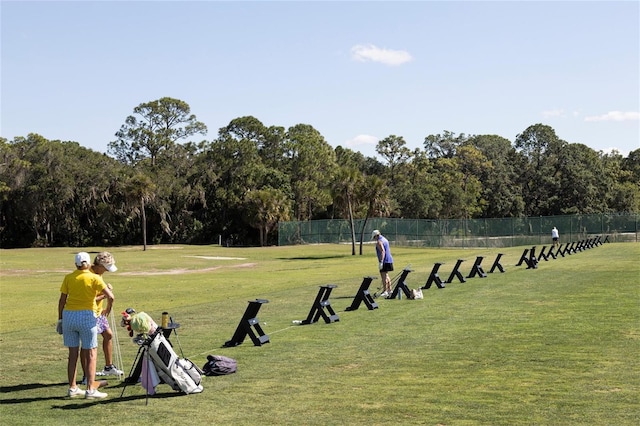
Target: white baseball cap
<point x="83" y="257"/>
<point x="106" y="259"/>
<point x="375" y="233"/>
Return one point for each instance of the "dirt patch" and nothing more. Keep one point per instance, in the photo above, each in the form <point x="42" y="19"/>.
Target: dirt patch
<point x="218" y="257"/>
<point x="14" y="272"/>
<point x="184" y="271"/>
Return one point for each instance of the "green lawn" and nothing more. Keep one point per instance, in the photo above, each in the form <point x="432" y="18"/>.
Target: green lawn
<point x="557" y="345"/>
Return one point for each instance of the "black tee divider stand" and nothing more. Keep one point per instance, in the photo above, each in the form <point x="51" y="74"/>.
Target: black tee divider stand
<point x="551" y="254"/>
<point x="434" y="278"/>
<point x="542" y="255"/>
<point x="401" y="285"/>
<point x="320" y="304"/>
<point x="249" y="320"/>
<point x="497" y="264"/>
<point x="531" y="261"/>
<point x="523" y="258"/>
<point x="570" y="248"/>
<point x="477" y="269"/>
<point x="363" y="296"/>
<point x="456" y="273"/>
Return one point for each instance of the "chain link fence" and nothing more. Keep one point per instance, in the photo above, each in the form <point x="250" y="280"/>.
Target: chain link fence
<point x="490" y="233"/>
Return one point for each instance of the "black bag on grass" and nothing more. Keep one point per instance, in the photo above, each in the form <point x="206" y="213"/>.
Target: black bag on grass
<point x="218" y="365"/>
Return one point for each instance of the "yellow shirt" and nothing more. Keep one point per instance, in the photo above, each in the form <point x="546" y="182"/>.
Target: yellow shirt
<point x="81" y="288"/>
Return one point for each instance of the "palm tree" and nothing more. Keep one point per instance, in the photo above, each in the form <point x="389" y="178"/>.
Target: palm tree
<point x="344" y="188"/>
<point x="375" y="193"/>
<point x="140" y="189"/>
<point x="266" y="207"/>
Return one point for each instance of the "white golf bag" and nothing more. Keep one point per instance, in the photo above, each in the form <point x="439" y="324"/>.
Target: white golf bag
<point x="181" y="374"/>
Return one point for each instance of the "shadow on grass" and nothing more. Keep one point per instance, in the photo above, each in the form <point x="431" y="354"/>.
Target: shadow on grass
<point x="88" y="403"/>
<point x="116" y="399"/>
<point x="113" y="397"/>
<point x="340" y="256"/>
<point x="29" y="386"/>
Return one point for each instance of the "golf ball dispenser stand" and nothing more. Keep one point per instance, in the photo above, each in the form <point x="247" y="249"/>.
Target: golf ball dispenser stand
<point x="363" y="296"/>
<point x="321" y="304"/>
<point x="248" y="323"/>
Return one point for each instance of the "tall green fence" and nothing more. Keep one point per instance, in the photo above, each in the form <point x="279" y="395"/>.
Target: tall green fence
<point x="502" y="232"/>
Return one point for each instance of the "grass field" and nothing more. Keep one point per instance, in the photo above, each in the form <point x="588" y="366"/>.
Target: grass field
<point x="557" y="345"/>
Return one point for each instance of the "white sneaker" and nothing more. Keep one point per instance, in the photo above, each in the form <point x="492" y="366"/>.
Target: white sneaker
<point x="110" y="370"/>
<point x="73" y="392"/>
<point x="384" y="294"/>
<point x="94" y="394"/>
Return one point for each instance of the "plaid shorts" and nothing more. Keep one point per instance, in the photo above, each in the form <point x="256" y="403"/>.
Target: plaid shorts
<point x="79" y="326"/>
<point x="102" y="323"/>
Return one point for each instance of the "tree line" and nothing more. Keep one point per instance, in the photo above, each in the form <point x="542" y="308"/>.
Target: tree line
<point x="157" y="185"/>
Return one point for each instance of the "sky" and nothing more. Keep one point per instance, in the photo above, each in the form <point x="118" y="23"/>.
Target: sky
<point x="356" y="71"/>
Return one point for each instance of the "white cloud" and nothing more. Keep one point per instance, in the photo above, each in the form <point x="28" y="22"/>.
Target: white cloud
<point x="615" y="116"/>
<point x="369" y="52"/>
<point x="553" y="113"/>
<point x="559" y="113"/>
<point x="611" y="151"/>
<point x="362" y="140"/>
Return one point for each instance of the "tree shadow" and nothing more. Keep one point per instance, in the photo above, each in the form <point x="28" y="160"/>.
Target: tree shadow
<point x="335" y="256"/>
<point x="28" y="386"/>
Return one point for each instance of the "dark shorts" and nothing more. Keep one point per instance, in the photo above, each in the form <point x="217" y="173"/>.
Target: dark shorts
<point x="387" y="267"/>
<point x="555" y="240"/>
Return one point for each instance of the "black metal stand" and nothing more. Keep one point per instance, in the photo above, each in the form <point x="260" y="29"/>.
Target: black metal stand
<point x="320" y="304"/>
<point x="497" y="264"/>
<point x="401" y="286"/>
<point x="542" y="255"/>
<point x="172" y="327"/>
<point x="551" y="254"/>
<point x="249" y="320"/>
<point x="477" y="269"/>
<point x="136" y="367"/>
<point x="363" y="295"/>
<point x="456" y="273"/>
<point x="434" y="278"/>
<point x="533" y="261"/>
<point x="569" y="248"/>
<point x="524" y="258"/>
